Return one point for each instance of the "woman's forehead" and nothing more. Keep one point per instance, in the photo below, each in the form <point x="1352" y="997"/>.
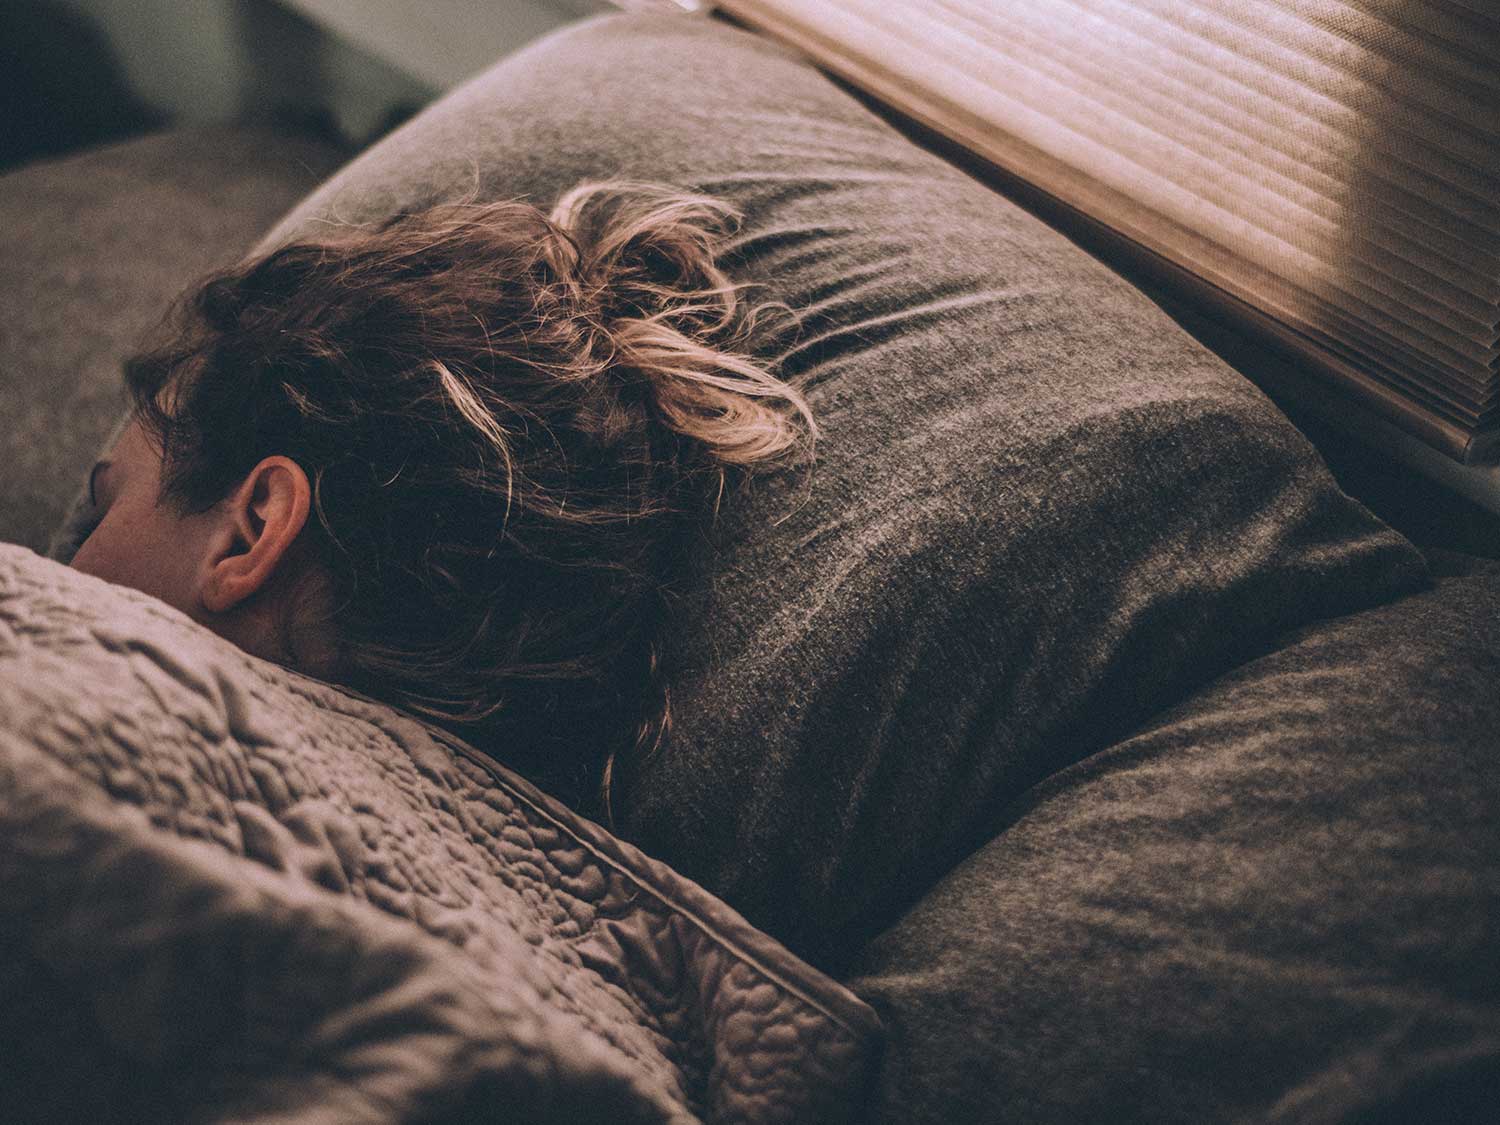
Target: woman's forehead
<point x="132" y="441"/>
<point x="133" y="450"/>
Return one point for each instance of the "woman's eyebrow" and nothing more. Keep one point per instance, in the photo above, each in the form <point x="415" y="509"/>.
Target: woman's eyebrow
<point x="99" y="467"/>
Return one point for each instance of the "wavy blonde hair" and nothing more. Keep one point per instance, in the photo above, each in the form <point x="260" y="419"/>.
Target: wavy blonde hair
<point x="510" y="420"/>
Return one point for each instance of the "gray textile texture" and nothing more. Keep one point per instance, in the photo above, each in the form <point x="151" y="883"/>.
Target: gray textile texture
<point x="1278" y="902"/>
<point x="232" y="893"/>
<point x="92" y="247"/>
<point x="1041" y="512"/>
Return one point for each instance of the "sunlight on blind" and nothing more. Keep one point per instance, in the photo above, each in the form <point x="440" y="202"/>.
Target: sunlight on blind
<point x="1331" y="163"/>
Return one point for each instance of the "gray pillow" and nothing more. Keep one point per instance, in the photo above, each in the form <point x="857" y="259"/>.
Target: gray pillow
<point x="1278" y="902"/>
<point x="1040" y="513"/>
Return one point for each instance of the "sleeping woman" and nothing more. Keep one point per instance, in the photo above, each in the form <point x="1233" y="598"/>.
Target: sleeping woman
<point x="454" y="461"/>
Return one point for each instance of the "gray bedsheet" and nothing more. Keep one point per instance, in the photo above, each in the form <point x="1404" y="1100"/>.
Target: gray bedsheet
<point x="92" y="247"/>
<point x="234" y="893"/>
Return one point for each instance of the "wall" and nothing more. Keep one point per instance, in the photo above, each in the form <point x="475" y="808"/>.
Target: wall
<point x="442" y="42"/>
<point x="357" y="63"/>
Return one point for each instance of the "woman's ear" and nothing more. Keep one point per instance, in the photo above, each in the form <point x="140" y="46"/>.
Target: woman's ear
<point x="261" y="519"/>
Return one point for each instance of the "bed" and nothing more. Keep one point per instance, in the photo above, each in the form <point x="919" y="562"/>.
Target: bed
<point x="1069" y="745"/>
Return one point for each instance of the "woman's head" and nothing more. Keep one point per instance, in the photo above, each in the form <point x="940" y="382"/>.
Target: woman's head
<point x="455" y="454"/>
<point x="240" y="566"/>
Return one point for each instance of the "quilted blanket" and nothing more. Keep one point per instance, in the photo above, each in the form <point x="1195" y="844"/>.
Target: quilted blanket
<point x="235" y="893"/>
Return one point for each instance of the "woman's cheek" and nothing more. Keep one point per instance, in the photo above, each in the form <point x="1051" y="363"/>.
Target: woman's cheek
<point x="135" y="549"/>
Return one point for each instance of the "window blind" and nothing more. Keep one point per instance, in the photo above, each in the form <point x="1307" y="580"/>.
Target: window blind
<point x="1329" y="166"/>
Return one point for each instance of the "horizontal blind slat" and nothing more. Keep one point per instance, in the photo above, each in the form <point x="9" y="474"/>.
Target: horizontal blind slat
<point x="1395" y="239"/>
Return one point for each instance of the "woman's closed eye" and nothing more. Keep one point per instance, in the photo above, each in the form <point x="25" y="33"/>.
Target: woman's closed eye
<point x="96" y="484"/>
